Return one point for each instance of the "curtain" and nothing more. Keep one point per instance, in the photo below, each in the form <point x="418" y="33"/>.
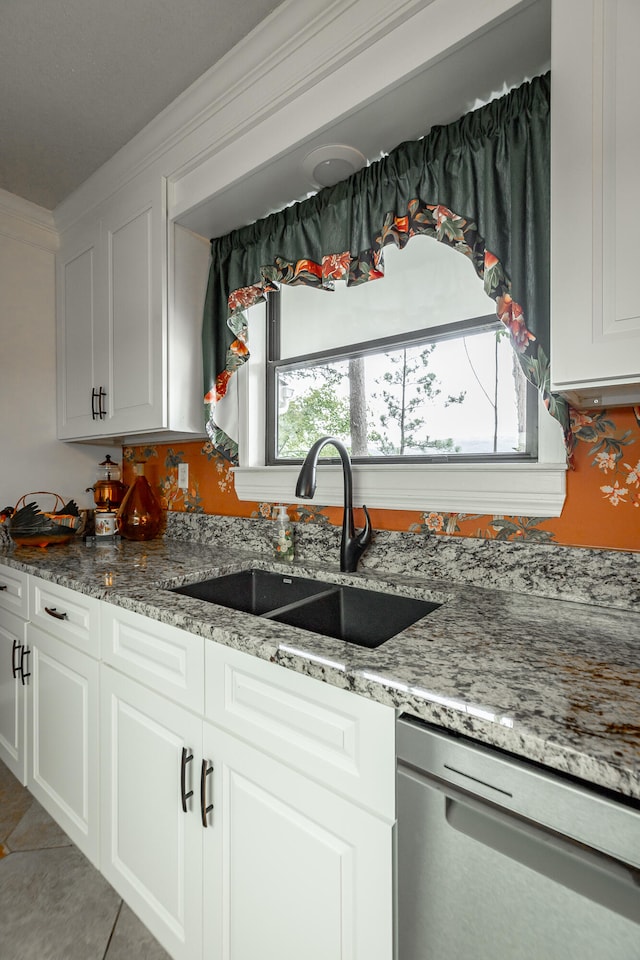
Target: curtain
<point x="480" y="185"/>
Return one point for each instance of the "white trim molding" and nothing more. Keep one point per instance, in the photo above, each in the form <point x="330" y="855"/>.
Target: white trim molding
<point x="499" y="489"/>
<point x="25" y="221"/>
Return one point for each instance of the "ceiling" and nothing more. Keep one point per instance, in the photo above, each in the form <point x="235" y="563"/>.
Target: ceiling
<point x="80" y="77"/>
<point x="515" y="47"/>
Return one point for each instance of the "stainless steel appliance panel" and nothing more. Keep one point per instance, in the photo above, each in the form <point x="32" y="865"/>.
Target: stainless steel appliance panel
<point x="498" y="860"/>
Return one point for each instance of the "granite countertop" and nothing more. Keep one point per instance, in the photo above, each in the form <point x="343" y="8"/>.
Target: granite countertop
<point x="555" y="681"/>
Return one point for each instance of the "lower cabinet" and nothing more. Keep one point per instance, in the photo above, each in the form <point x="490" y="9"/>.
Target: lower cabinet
<point x="241" y="810"/>
<point x="151" y="842"/>
<point x="291" y="869"/>
<point x="227" y="853"/>
<point x="14" y="670"/>
<point x="63" y="751"/>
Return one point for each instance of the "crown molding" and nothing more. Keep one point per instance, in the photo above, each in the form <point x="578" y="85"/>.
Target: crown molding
<point x="298" y="53"/>
<point x="291" y="50"/>
<point x="27" y="222"/>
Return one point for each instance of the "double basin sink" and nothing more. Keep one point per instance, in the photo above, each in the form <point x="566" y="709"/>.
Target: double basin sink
<point x="364" y="617"/>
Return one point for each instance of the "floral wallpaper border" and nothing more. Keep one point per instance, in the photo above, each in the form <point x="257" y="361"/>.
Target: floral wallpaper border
<point x="601" y="509"/>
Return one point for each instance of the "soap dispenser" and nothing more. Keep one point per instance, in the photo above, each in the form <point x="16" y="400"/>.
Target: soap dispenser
<point x="283" y="535"/>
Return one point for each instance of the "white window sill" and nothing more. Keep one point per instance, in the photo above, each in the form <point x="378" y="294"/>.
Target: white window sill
<point x="513" y="489"/>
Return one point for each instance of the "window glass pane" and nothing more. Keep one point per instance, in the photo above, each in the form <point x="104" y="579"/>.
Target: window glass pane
<point x="464" y="395"/>
<point x="425" y="285"/>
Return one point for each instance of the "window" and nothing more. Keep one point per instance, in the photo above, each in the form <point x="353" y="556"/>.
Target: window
<point x="524" y="477"/>
<point x="410" y="368"/>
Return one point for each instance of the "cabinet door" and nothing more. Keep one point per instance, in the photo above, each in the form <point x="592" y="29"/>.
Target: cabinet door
<point x="135" y="238"/>
<point x="291" y="869"/>
<point x="63" y="747"/>
<point x="12" y="695"/>
<point x="82" y="334"/>
<point x="595" y="141"/>
<point x="151" y="850"/>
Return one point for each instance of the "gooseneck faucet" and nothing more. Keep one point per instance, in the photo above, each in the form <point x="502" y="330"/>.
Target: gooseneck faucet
<point x="353" y="544"/>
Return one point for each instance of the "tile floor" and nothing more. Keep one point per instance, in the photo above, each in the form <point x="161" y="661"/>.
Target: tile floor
<point x="53" y="904"/>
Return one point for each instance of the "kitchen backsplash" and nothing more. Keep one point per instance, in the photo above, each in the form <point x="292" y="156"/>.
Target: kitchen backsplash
<point x="602" y="508"/>
<point x="605" y="578"/>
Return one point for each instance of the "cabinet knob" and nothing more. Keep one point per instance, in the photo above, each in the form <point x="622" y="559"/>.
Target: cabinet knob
<point x="3" y="586"/>
<point x="183" y="778"/>
<point x="205" y="770"/>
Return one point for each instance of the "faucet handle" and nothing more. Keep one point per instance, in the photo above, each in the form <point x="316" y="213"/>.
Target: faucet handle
<point x="364" y="537"/>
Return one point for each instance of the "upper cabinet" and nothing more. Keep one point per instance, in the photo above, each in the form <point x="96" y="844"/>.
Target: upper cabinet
<point x="595" y="296"/>
<point x="129" y="354"/>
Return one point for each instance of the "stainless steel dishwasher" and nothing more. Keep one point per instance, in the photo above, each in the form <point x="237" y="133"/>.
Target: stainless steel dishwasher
<point x="498" y="859"/>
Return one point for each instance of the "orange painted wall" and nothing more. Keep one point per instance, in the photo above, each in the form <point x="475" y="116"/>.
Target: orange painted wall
<point x="602" y="508"/>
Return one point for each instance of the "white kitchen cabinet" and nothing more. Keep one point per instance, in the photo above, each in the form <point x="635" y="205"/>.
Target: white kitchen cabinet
<point x="595" y="129"/>
<point x="339" y="740"/>
<point x="13" y="718"/>
<point x="130" y="291"/>
<point x="283" y="863"/>
<point x="302" y="783"/>
<point x="63" y="638"/>
<point x="63" y="742"/>
<point x="151" y="843"/>
<point x="82" y="333"/>
<point x="291" y="869"/>
<point x="14" y="669"/>
<point x="284" y="842"/>
<point x="68" y="615"/>
<point x="159" y="655"/>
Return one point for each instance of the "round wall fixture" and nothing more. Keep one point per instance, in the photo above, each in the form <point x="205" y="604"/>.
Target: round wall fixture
<point x="327" y="165"/>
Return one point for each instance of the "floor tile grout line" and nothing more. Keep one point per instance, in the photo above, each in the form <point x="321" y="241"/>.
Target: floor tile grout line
<point x="25" y="793"/>
<point x="113" y="930"/>
<point x="49" y="846"/>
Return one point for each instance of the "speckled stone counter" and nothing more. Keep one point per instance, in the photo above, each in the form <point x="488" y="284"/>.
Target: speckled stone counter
<point x="551" y="680"/>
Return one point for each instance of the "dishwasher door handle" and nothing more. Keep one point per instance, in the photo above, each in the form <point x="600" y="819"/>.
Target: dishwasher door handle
<point x="588" y="872"/>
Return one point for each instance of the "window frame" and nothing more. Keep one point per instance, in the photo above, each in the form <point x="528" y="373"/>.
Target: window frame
<point x="526" y="489"/>
<point x="424" y="336"/>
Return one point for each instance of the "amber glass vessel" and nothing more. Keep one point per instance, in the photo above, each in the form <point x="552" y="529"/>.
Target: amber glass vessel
<point x="140" y="514"/>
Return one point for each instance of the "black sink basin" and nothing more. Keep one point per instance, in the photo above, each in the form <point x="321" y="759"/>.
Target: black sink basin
<point x="254" y="591"/>
<point x="364" y="617"/>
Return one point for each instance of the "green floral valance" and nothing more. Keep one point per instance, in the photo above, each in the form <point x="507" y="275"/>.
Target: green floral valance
<point x="480" y="184"/>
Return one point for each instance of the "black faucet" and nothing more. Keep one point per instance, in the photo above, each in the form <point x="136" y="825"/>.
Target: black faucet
<point x="353" y="544"/>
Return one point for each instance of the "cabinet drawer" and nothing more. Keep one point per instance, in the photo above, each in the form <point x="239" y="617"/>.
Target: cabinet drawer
<point x="165" y="658"/>
<point x="14" y="592"/>
<point x="340" y="739"/>
<point x="67" y="614"/>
